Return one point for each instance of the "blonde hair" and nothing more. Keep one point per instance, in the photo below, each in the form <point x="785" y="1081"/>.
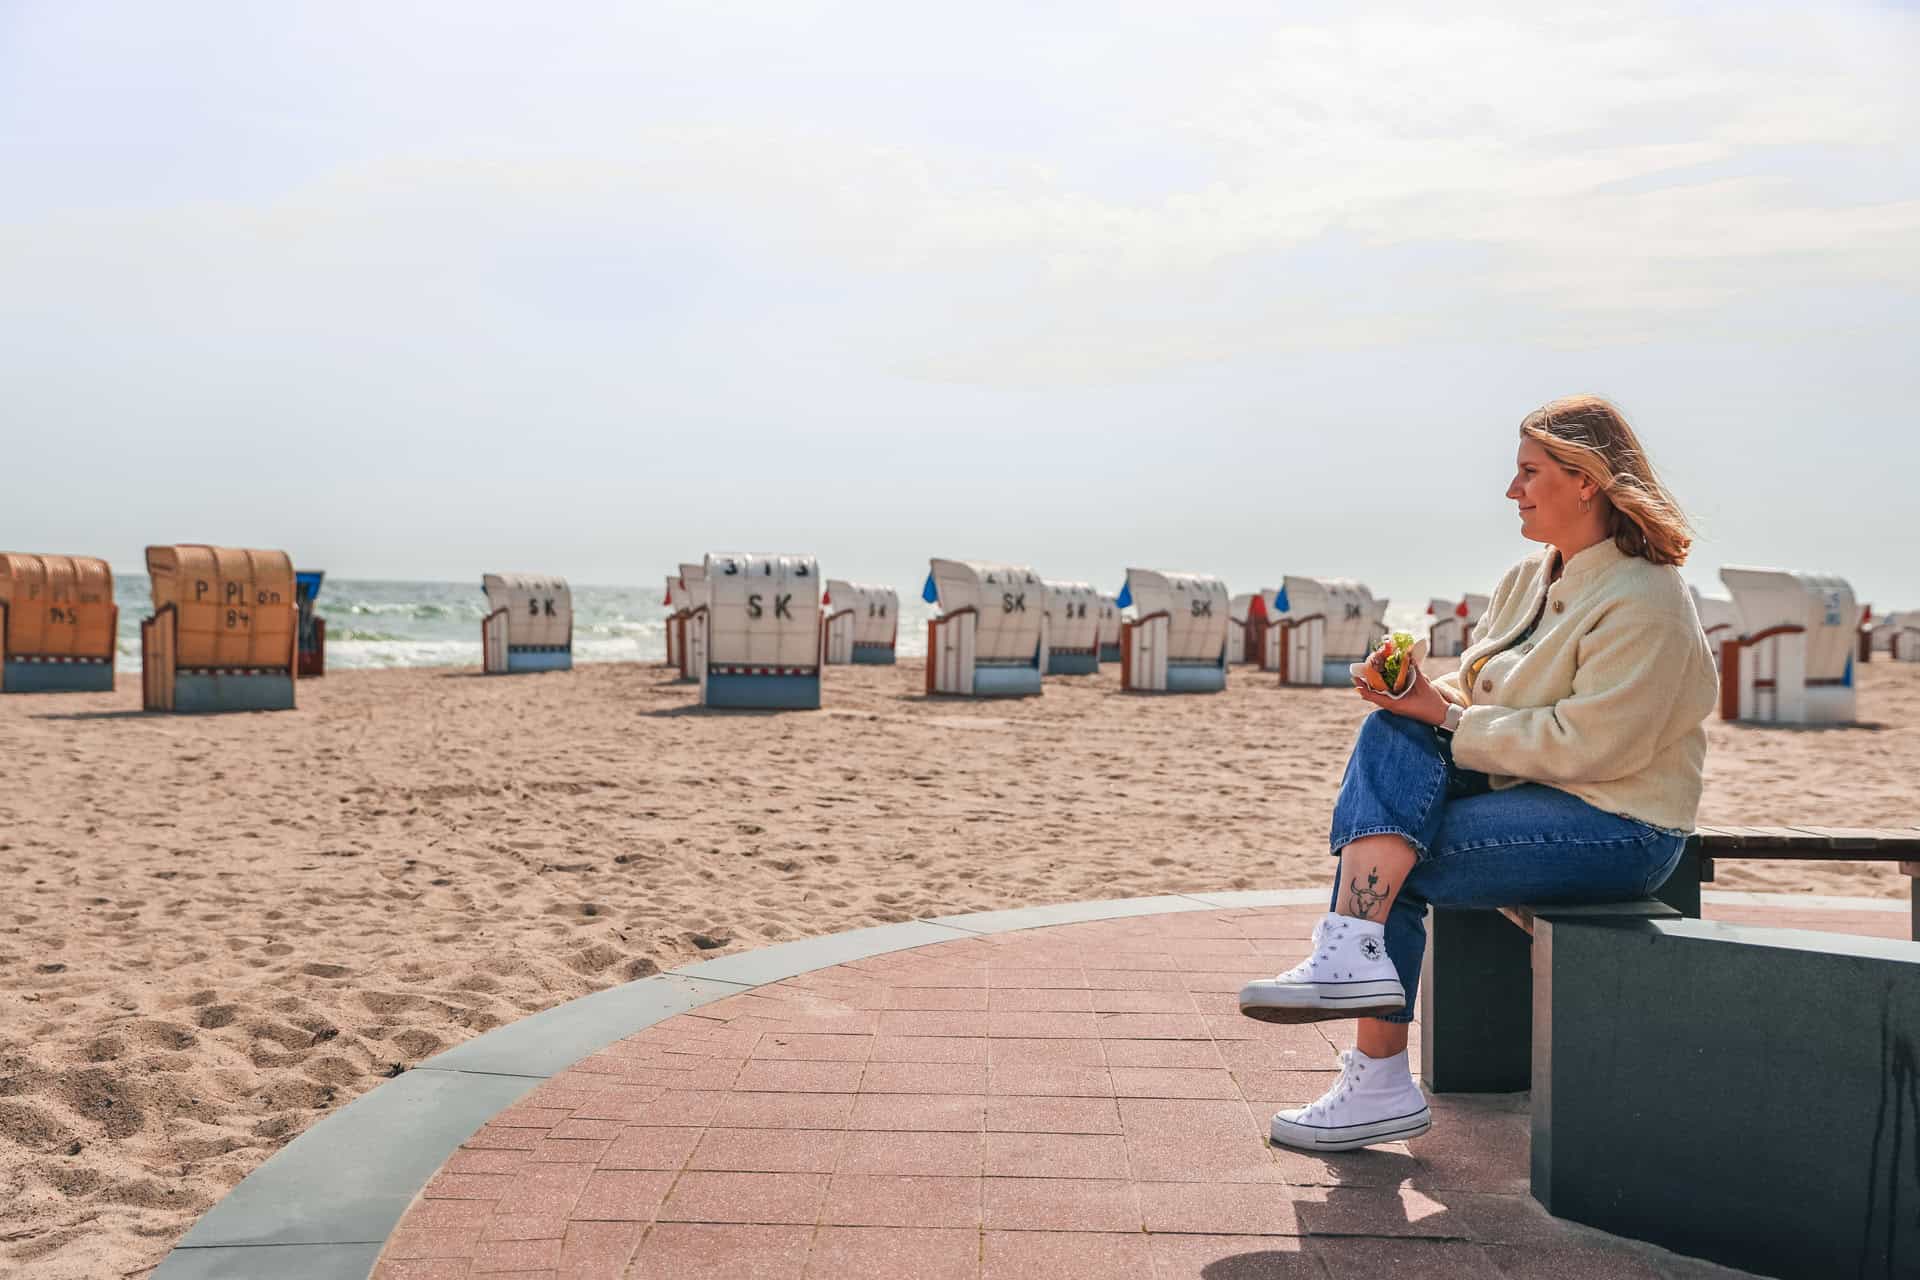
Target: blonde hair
<point x="1587" y="435"/>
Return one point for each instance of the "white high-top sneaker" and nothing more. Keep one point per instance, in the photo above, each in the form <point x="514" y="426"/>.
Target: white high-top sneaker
<point x="1374" y="1100"/>
<point x="1345" y="975"/>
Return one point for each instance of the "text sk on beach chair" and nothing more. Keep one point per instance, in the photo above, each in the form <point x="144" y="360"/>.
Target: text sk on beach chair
<point x="58" y="624"/>
<point x="861" y="623"/>
<point x="1792" y="662"/>
<point x="1073" y="629"/>
<point x="530" y="626"/>
<point x="1176" y="641"/>
<point x="990" y="638"/>
<point x="763" y="634"/>
<point x="224" y="631"/>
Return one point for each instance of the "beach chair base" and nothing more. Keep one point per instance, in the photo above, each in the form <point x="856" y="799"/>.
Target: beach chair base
<point x="876" y="655"/>
<point x="1005" y="682"/>
<point x="1061" y="663"/>
<point x="213" y="691"/>
<point x="521" y="660"/>
<point x="766" y="693"/>
<point x="57" y="675"/>
<point x="1109" y="653"/>
<point x="1196" y="678"/>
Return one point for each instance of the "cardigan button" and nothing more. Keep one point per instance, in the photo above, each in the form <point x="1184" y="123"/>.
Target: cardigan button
<point x="1559" y="606"/>
<point x="1486" y="686"/>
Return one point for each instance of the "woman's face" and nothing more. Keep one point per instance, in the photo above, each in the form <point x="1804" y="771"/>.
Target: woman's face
<point x="1547" y="494"/>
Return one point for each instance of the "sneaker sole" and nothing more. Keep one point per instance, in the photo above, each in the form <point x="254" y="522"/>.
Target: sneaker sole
<point x="1302" y="1138"/>
<point x="1317" y="1004"/>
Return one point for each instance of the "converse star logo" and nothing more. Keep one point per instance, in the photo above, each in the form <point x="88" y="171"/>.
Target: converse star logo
<point x="1370" y="948"/>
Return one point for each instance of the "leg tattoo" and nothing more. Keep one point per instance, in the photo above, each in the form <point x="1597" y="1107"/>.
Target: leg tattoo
<point x="1366" y="898"/>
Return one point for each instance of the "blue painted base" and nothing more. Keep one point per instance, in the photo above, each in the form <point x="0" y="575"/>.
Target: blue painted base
<point x="1005" y="682"/>
<point x="1194" y="679"/>
<point x="1109" y="653"/>
<point x="773" y="693"/>
<point x="1334" y="673"/>
<point x="519" y="660"/>
<point x="58" y="677"/>
<point x="1073" y="664"/>
<point x="878" y="655"/>
<point x="219" y="691"/>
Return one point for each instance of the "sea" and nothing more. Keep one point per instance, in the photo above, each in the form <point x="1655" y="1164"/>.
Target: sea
<point x="437" y="624"/>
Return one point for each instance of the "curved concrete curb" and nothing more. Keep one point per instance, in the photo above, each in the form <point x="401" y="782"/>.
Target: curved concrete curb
<point x="322" y="1207"/>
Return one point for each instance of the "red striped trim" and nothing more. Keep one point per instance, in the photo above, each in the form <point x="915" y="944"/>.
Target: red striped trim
<point x="740" y="669"/>
<point x="57" y="660"/>
<point x="233" y="671"/>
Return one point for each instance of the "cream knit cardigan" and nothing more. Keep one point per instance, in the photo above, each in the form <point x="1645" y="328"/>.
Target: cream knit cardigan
<point x="1605" y="700"/>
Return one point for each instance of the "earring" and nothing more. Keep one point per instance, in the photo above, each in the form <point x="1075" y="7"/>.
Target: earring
<point x="1586" y="504"/>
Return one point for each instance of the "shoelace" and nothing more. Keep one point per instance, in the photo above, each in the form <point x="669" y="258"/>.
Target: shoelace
<point x="1350" y="1068"/>
<point x="1321" y="947"/>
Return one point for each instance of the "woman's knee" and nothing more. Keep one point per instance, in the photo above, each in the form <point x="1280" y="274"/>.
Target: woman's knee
<point x="1383" y="730"/>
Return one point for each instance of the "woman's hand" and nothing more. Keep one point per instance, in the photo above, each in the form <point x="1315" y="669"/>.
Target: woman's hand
<point x="1422" y="702"/>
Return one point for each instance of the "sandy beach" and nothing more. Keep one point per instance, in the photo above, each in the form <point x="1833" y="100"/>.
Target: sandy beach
<point x="218" y="929"/>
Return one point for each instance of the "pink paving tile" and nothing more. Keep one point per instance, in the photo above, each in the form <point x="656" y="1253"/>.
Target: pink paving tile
<point x="893" y="1200"/>
<point x="1517" y="1220"/>
<point x="587" y="1129"/>
<point x="922" y="1022"/>
<point x="1143" y="1002"/>
<point x="1135" y="979"/>
<point x="469" y="1186"/>
<point x="960" y="999"/>
<point x="649" y="1147"/>
<point x="768" y="1151"/>
<point x="598" y="1250"/>
<point x="1060" y="1204"/>
<point x="495" y="1256"/>
<point x="1421" y="1259"/>
<point x="1065" y="1255"/>
<point x="1235" y="1258"/>
<point x="767" y="1198"/>
<point x="1218" y="1208"/>
<point x="784" y="1111"/>
<point x="1048" y="1080"/>
<point x="888" y="1253"/>
<point x="1173" y="1082"/>
<point x="1386" y="1165"/>
<point x="808" y="1045"/>
<point x="1304" y="1050"/>
<point x="412" y="1241"/>
<point x="486" y="1160"/>
<point x="705" y="1251"/>
<point x="938" y="1154"/>
<point x="887" y="1048"/>
<point x="1185" y="1054"/>
<point x="545" y="1189"/>
<point x="569" y="1150"/>
<point x="671" y="1107"/>
<point x="491" y="1138"/>
<point x="435" y="1269"/>
<point x="451" y="1213"/>
<point x="1041" y="1024"/>
<point x="1057" y="1051"/>
<point x="919" y="1112"/>
<point x="1040" y="1000"/>
<point x="1152" y="1026"/>
<point x="1612" y="1262"/>
<point x="778" y="1076"/>
<point x="1373" y="1211"/>
<point x="1218" y="1120"/>
<point x="621" y="1196"/>
<point x="1055" y="1155"/>
<point x="525" y="1226"/>
<point x="924" y="1077"/>
<point x="1012" y="977"/>
<point x="1052" y="1115"/>
<point x="524" y="1117"/>
<point x="1283" y="1087"/>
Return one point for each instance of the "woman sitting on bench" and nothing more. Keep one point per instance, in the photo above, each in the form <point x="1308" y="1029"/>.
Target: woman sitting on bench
<point x="1560" y="763"/>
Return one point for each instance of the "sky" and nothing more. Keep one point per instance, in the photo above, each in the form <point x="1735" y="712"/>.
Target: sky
<point x="429" y="290"/>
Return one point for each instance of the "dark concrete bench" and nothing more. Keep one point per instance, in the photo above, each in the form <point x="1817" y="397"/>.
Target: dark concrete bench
<point x="1731" y="1092"/>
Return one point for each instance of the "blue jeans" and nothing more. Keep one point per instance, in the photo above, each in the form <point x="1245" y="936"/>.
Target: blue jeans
<point x="1477" y="847"/>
